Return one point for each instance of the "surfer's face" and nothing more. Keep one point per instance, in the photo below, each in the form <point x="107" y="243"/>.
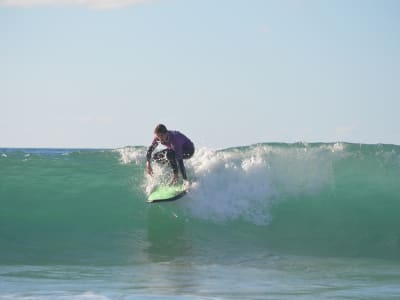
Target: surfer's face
<point x="163" y="137"/>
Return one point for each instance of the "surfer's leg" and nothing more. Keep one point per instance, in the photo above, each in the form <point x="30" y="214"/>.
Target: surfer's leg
<point x="172" y="160"/>
<point x="187" y="152"/>
<point x="166" y="156"/>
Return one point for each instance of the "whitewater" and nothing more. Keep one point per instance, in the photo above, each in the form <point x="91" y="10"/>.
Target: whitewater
<point x="263" y="221"/>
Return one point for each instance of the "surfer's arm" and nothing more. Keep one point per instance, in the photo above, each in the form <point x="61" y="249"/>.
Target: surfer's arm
<point x="150" y="150"/>
<point x="149" y="169"/>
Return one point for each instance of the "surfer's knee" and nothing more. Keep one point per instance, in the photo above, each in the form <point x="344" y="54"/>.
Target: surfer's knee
<point x="170" y="155"/>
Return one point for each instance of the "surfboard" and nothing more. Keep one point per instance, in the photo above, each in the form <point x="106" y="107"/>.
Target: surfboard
<point x="167" y="193"/>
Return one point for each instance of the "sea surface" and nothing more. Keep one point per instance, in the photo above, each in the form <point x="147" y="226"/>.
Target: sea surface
<point x="265" y="221"/>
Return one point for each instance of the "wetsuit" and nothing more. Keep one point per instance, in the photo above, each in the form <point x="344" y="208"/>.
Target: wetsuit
<point x="179" y="147"/>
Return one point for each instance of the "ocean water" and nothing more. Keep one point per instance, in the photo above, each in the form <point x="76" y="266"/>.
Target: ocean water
<point x="266" y="221"/>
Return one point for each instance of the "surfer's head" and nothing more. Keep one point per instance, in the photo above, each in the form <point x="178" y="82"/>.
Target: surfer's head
<point x="162" y="133"/>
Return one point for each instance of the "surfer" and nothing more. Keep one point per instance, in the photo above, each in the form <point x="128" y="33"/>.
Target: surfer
<point x="179" y="147"/>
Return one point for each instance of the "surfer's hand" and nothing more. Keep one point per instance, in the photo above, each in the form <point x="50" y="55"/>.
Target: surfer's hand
<point x="149" y="169"/>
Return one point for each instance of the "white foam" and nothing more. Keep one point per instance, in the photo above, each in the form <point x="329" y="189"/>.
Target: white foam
<point x="90" y="295"/>
<point x="230" y="185"/>
<point x="129" y="155"/>
<point x="161" y="175"/>
<point x="60" y="295"/>
<point x="243" y="183"/>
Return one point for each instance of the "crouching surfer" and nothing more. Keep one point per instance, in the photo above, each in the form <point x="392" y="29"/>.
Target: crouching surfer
<point x="178" y="147"/>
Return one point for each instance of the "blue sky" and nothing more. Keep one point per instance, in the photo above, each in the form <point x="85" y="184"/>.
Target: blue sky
<point x="226" y="73"/>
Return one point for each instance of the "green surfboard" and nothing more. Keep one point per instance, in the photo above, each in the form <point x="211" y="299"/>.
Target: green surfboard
<point x="167" y="193"/>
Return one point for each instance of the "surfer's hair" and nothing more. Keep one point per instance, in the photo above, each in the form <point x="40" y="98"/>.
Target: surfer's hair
<point x="160" y="128"/>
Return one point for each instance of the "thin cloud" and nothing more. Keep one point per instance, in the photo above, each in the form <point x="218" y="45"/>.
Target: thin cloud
<point x="99" y="4"/>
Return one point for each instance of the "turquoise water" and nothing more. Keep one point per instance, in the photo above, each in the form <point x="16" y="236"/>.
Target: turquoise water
<point x="267" y="221"/>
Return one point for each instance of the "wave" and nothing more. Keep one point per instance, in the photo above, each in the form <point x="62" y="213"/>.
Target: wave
<point x="314" y="199"/>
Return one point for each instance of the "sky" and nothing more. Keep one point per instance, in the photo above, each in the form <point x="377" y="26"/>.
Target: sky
<point x="104" y="73"/>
